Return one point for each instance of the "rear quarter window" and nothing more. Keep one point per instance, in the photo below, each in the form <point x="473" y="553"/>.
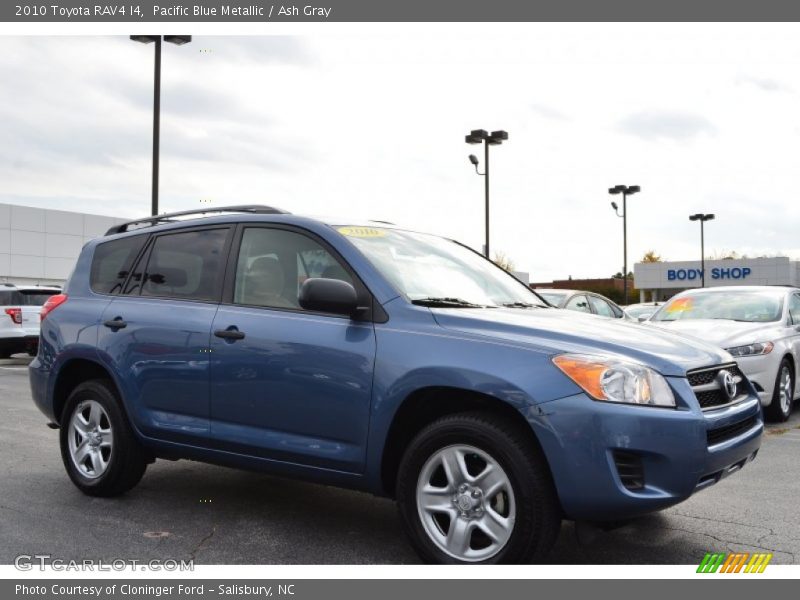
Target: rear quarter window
<point x="112" y="262"/>
<point x="186" y="265"/>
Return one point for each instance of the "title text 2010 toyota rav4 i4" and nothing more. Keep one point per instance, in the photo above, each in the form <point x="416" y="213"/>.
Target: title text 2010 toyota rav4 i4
<point x="369" y="357"/>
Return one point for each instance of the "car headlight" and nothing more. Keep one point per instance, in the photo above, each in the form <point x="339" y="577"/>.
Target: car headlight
<point x="752" y="349"/>
<point x="613" y="380"/>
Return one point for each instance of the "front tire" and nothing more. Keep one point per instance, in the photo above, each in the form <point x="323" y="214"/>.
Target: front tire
<point x="475" y="488"/>
<point x="100" y="453"/>
<point x="783" y="395"/>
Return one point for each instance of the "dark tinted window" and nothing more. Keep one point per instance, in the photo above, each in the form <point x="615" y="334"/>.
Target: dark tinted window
<point x="186" y="265"/>
<point x="274" y="263"/>
<point x="111" y="263"/>
<point x="25" y="297"/>
<point x="35" y="297"/>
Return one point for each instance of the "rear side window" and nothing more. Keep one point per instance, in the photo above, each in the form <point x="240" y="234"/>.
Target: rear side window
<point x="186" y="265"/>
<point x="112" y="262"/>
<point x="578" y="303"/>
<point x="601" y="307"/>
<point x="794" y="309"/>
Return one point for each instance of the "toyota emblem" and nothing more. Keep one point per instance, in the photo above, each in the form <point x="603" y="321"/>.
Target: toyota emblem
<point x="728" y="383"/>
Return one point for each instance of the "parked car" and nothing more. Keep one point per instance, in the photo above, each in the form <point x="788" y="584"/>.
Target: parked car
<point x="370" y="357"/>
<point x="758" y="325"/>
<point x="641" y="311"/>
<point x="19" y="317"/>
<point x="587" y="302"/>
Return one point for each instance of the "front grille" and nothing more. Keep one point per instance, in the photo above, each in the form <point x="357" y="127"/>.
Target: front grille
<point x="706" y="376"/>
<point x="712" y="398"/>
<point x="723" y="434"/>
<point x="630" y="469"/>
<point x="708" y="391"/>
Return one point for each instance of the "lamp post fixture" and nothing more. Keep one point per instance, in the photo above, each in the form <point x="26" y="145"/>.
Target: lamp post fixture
<point x="481" y="136"/>
<point x="702" y="218"/>
<point x="178" y="40"/>
<point x="625" y="191"/>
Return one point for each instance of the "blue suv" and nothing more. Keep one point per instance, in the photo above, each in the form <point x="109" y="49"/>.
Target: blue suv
<point x="366" y="356"/>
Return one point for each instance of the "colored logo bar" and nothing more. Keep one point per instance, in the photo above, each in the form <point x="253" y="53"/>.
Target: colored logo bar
<point x="739" y="562"/>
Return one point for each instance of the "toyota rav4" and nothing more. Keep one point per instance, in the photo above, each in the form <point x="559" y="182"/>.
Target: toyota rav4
<point x="370" y="357"/>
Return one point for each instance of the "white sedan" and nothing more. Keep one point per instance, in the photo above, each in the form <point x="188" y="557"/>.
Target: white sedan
<point x="759" y="326"/>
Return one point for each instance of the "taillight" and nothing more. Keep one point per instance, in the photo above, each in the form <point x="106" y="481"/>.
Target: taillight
<point x="53" y="302"/>
<point x="15" y="314"/>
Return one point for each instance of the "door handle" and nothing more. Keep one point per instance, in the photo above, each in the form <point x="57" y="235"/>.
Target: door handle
<point x="229" y="334"/>
<point x="115" y="324"/>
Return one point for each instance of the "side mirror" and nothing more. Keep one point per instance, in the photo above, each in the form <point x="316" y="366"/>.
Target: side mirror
<point x="644" y="317"/>
<point x="329" y="296"/>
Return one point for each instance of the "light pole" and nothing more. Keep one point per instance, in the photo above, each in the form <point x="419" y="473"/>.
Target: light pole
<point x="178" y="40"/>
<point x="625" y="191"/>
<point x="702" y="218"/>
<point x="478" y="136"/>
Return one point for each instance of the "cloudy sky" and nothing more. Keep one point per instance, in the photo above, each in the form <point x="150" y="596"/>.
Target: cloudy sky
<point x="703" y="117"/>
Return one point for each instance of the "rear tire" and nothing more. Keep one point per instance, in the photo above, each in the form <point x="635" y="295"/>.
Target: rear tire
<point x="100" y="453"/>
<point x="783" y="395"/>
<point x="494" y="503"/>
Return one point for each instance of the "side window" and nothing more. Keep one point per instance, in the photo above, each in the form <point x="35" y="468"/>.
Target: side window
<point x="186" y="265"/>
<point x="601" y="307"/>
<point x="794" y="309"/>
<point x="578" y="303"/>
<point x="274" y="263"/>
<point x="111" y="263"/>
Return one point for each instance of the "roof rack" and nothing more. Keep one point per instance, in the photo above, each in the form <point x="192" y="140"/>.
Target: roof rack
<point x="258" y="209"/>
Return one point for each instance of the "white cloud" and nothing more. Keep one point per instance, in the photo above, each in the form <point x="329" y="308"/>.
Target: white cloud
<point x="373" y="125"/>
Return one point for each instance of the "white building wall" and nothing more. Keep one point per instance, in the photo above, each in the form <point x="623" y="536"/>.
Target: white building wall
<point x="41" y="246"/>
<point x="686" y="274"/>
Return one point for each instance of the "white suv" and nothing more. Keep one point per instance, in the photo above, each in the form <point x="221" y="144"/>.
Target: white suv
<point x="19" y="317"/>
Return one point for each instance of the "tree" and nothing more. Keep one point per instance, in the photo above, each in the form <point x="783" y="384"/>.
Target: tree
<point x="503" y="261"/>
<point x="651" y="257"/>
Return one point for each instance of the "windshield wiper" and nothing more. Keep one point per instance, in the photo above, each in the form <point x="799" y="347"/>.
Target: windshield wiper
<point x="448" y="302"/>
<point x="521" y="305"/>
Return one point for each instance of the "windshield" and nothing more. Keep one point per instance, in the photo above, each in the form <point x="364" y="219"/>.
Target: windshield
<point x="426" y="267"/>
<point x="747" y="306"/>
<point x="638" y="311"/>
<point x="553" y="298"/>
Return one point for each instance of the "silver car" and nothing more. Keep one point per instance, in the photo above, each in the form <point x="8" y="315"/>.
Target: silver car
<point x="580" y="301"/>
<point x="759" y="326"/>
<point x="19" y="317"/>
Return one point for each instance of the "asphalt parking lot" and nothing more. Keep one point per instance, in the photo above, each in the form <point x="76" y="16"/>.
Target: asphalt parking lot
<point x="186" y="510"/>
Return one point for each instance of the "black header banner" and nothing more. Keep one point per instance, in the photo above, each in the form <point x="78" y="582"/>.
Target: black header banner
<point x="260" y="11"/>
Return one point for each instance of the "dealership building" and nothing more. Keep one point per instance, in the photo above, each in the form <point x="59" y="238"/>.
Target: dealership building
<point x="40" y="246"/>
<point x="660" y="281"/>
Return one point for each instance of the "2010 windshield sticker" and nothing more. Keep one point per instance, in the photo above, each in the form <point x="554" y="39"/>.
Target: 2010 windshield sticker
<point x="680" y="305"/>
<point x="361" y="232"/>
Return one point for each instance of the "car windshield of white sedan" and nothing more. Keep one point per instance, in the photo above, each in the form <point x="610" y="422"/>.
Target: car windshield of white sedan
<point x="434" y="271"/>
<point x="749" y="307"/>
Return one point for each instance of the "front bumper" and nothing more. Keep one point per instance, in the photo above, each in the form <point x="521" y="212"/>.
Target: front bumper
<point x="680" y="451"/>
<point x="762" y="371"/>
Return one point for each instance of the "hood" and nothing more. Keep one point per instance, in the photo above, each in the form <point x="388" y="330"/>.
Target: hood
<point x="557" y="331"/>
<point x="720" y="332"/>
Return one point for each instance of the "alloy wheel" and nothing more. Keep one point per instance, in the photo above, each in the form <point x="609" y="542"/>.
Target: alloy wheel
<point x="90" y="439"/>
<point x="466" y="503"/>
<point x="786" y="389"/>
